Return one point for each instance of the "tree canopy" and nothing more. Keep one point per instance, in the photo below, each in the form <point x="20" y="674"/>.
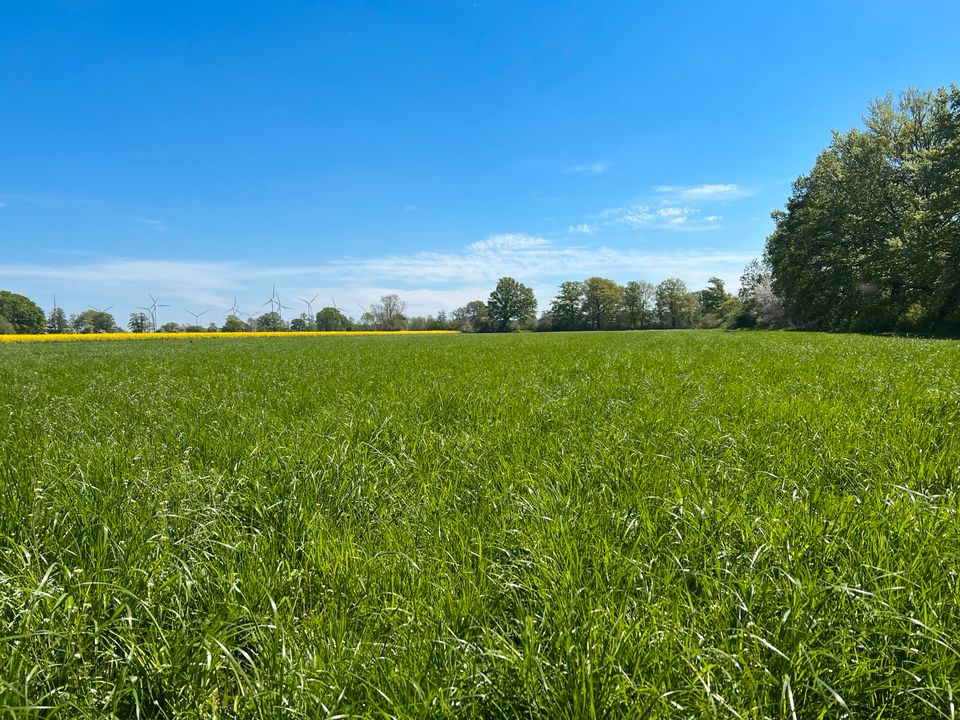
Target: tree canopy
<point x="21" y="313"/>
<point x="511" y="303"/>
<point x="870" y="238"/>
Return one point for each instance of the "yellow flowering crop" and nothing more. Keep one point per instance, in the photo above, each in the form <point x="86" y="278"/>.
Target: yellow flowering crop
<point x="71" y="337"/>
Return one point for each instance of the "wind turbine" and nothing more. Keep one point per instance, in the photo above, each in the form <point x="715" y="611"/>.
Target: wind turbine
<point x="233" y="309"/>
<point x="280" y="305"/>
<point x="274" y="300"/>
<point x="196" y="316"/>
<point x="309" y="304"/>
<point x="106" y="309"/>
<point x="154" y="304"/>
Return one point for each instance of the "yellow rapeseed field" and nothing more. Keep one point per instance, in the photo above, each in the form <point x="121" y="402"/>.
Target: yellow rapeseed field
<point x="71" y="337"/>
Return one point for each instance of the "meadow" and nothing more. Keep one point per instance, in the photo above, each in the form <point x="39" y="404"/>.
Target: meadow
<point x="656" y="524"/>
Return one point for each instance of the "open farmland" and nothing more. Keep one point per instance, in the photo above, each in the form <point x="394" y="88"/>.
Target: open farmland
<point x="659" y="524"/>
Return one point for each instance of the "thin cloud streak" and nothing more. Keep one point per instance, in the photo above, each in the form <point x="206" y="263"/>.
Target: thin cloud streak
<point x="710" y="192"/>
<point x="596" y="168"/>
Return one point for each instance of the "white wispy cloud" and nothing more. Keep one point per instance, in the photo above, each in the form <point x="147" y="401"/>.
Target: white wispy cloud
<point x="582" y="229"/>
<point x="711" y="192"/>
<point x="670" y="217"/>
<point x="594" y="168"/>
<point x="675" y="207"/>
<point x="428" y="280"/>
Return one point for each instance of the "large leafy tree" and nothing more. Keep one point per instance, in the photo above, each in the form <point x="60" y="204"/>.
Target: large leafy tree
<point x="602" y="299"/>
<point x="566" y="310"/>
<point x="638" y="299"/>
<point x="870" y="238"/>
<point x="676" y="306"/>
<point x="271" y="322"/>
<point x="24" y="315"/>
<point x="330" y="319"/>
<point x="233" y="324"/>
<point x="139" y="323"/>
<point x="94" y="321"/>
<point x="511" y="303"/>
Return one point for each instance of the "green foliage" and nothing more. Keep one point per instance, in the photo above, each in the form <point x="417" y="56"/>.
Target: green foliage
<point x="6" y="327"/>
<point x="870" y="239"/>
<point x="472" y="317"/>
<point x="511" y="303"/>
<point x="139" y="323"/>
<point x="93" y="321"/>
<point x="638" y="298"/>
<point x="602" y="302"/>
<point x="330" y="319"/>
<point x="566" y="310"/>
<point x="271" y="322"/>
<point x="558" y="526"/>
<point x="57" y="322"/>
<point x="24" y="315"/>
<point x="676" y="307"/>
<point x="233" y="324"/>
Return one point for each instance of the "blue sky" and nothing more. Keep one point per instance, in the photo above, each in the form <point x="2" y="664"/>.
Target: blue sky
<point x="203" y="151"/>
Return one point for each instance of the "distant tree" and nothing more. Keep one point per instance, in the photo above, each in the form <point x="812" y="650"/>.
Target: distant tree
<point x="511" y="303"/>
<point x="171" y="327"/>
<point x="712" y="297"/>
<point x="602" y="300"/>
<point x="329" y="319"/>
<point x="544" y="322"/>
<point x="441" y="322"/>
<point x="366" y="322"/>
<point x="22" y="313"/>
<point x="139" y="323"/>
<point x="78" y="323"/>
<point x="57" y="322"/>
<point x="638" y="300"/>
<point x="472" y="317"/>
<point x="233" y="324"/>
<point x="191" y="328"/>
<point x="271" y="322"/>
<point x="566" y="310"/>
<point x="713" y="304"/>
<point x="388" y="314"/>
<point x="93" y="321"/>
<point x="759" y="304"/>
<point x="419" y="323"/>
<point x="675" y="305"/>
<point x="307" y="322"/>
<point x="212" y="327"/>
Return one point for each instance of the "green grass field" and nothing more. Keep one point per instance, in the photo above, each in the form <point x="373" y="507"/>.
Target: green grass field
<point x="658" y="524"/>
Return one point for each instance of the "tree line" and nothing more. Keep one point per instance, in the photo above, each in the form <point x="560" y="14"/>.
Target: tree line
<point x="593" y="304"/>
